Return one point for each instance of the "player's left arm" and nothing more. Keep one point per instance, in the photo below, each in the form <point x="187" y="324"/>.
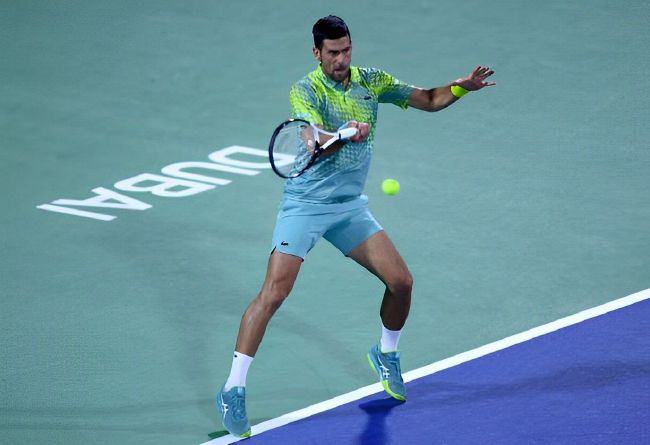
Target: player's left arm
<point x="439" y="98"/>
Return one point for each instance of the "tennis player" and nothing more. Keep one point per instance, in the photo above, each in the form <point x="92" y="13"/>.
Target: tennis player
<point x="327" y="201"/>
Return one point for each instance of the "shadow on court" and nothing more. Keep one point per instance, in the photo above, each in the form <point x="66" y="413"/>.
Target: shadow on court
<point x="377" y="411"/>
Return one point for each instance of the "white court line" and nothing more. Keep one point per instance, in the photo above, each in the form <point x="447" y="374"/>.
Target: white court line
<point x="440" y="365"/>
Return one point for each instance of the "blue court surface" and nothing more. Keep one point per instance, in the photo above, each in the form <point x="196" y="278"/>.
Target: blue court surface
<point x="585" y="383"/>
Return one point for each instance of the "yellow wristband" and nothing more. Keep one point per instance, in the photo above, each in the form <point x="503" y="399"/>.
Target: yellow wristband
<point x="458" y="91"/>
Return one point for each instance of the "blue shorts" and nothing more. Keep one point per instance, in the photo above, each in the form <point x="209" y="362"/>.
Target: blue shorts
<point x="300" y="225"/>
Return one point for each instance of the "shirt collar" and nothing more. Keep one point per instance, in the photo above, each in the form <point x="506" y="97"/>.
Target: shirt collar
<point x="354" y="77"/>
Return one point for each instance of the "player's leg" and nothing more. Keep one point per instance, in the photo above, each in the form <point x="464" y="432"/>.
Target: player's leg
<point x="293" y="238"/>
<point x="281" y="274"/>
<point x="380" y="257"/>
<point x="359" y="236"/>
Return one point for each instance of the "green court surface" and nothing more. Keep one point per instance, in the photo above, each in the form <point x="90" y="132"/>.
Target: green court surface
<point x="521" y="204"/>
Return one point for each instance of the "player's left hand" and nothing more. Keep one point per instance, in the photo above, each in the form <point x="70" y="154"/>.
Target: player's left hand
<point x="476" y="79"/>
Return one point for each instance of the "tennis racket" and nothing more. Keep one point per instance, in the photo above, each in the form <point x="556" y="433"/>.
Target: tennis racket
<point x="294" y="146"/>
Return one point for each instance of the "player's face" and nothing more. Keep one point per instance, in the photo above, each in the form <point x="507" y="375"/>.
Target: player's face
<point x="335" y="56"/>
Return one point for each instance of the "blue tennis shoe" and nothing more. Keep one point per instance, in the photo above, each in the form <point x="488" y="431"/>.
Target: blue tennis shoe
<point x="387" y="366"/>
<point x="232" y="406"/>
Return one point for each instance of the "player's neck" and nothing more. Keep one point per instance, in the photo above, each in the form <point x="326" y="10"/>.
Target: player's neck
<point x="345" y="82"/>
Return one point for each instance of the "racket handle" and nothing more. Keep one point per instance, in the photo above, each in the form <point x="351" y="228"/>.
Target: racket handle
<point x="347" y="133"/>
<point x="344" y="133"/>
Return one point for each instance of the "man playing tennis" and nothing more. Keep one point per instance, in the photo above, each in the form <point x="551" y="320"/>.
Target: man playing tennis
<point x="327" y="202"/>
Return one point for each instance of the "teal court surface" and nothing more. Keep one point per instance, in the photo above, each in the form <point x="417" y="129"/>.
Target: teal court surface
<point x="138" y="209"/>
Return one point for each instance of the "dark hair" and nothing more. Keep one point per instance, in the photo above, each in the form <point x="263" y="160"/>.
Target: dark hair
<point x="331" y="28"/>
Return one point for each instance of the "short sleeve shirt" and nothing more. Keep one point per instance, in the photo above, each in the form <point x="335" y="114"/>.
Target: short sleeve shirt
<point x="320" y="100"/>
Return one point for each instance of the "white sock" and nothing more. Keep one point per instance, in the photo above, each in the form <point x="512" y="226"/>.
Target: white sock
<point x="238" y="370"/>
<point x="389" y="339"/>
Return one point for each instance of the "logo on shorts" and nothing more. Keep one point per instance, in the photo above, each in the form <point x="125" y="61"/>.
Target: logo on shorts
<point x="284" y="243"/>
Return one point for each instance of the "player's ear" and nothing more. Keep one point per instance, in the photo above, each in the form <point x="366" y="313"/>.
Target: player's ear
<point x="316" y="52"/>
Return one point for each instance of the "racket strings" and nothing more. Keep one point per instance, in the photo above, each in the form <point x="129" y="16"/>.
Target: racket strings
<point x="293" y="148"/>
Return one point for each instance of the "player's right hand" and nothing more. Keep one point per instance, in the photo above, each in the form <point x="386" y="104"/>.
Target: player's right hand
<point x="362" y="130"/>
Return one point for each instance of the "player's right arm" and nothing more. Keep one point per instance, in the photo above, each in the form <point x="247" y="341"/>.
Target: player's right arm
<point x="304" y="105"/>
<point x="362" y="130"/>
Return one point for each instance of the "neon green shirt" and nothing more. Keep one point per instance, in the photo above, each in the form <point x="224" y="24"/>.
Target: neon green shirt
<point x="320" y="100"/>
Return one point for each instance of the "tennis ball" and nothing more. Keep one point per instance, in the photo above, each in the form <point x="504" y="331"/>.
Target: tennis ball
<point x="390" y="187"/>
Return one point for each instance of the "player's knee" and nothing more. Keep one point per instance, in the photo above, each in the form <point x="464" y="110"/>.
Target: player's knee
<point x="273" y="295"/>
<point x="402" y="285"/>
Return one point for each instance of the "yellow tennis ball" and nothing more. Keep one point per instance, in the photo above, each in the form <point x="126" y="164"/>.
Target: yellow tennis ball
<point x="390" y="187"/>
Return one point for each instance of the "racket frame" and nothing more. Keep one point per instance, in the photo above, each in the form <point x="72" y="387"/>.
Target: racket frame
<point x="318" y="149"/>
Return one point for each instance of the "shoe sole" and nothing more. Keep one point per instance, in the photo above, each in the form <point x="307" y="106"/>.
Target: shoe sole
<point x="384" y="383"/>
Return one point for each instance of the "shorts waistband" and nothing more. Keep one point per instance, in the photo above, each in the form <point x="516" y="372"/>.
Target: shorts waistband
<point x="290" y="206"/>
